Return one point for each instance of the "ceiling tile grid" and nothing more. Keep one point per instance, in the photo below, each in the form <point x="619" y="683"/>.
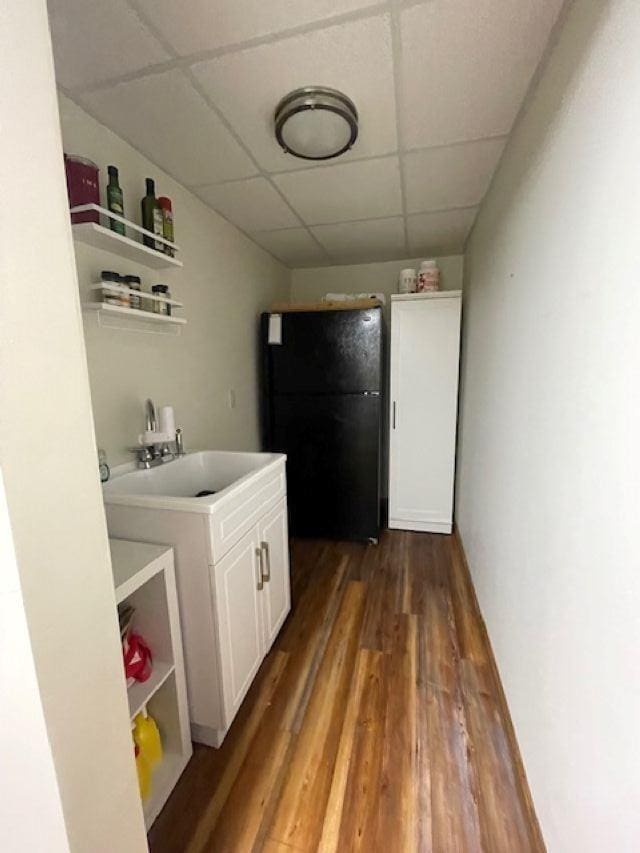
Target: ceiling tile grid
<point x="438" y="85"/>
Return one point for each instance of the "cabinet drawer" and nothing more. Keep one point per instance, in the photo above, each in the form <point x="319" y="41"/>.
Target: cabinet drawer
<point x="243" y="509"/>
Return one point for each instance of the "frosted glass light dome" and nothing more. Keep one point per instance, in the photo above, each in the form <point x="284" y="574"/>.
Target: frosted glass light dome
<point x="316" y="123"/>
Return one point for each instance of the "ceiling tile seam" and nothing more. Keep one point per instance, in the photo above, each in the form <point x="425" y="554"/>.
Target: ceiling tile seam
<point x="454" y="209"/>
<point x="226" y="50"/>
<point x="396" y="54"/>
<point x="397" y="153"/>
<point x="554" y="35"/>
<point x="148" y="22"/>
<point x="188" y="73"/>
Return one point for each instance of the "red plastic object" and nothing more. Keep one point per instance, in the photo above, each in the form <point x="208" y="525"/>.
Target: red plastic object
<point x="82" y="186"/>
<point x="137" y="658"/>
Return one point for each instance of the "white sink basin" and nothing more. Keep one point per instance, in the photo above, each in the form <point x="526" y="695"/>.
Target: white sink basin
<point x="175" y="484"/>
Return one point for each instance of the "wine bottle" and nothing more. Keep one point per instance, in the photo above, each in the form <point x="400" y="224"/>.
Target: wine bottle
<point x="114" y="200"/>
<point x="151" y="216"/>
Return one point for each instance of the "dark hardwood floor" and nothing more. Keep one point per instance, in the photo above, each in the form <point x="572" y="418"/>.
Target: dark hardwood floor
<point x="376" y="723"/>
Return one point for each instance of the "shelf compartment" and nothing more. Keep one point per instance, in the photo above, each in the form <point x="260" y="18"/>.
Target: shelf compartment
<point x="102" y="237"/>
<point x="140" y="693"/>
<point x="120" y="288"/>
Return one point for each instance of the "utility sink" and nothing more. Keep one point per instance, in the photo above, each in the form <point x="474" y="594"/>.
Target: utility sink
<point x="195" y="482"/>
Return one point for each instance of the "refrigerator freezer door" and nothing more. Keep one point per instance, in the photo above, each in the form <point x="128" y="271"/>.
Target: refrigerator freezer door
<point x="326" y="352"/>
<point x="333" y="452"/>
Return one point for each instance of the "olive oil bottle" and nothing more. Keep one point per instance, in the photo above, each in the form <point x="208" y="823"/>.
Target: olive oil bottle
<point x="114" y="200"/>
<point x="152" y="216"/>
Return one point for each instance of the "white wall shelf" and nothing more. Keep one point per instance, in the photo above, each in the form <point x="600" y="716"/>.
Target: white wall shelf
<point x="129" y="291"/>
<point x="133" y="319"/>
<point x="144" y="577"/>
<point x="100" y="236"/>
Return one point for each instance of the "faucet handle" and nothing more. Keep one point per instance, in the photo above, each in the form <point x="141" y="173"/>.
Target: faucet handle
<point x="180" y="451"/>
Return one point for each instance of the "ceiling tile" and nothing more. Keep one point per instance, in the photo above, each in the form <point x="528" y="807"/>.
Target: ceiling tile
<point x="210" y="25"/>
<point x="466" y="66"/>
<point x="439" y="233"/>
<point x="354" y="57"/>
<point x="455" y="176"/>
<point x="95" y="41"/>
<point x="349" y="191"/>
<point x="163" y="116"/>
<point x="252" y="205"/>
<point x="356" y="242"/>
<point x="295" y="247"/>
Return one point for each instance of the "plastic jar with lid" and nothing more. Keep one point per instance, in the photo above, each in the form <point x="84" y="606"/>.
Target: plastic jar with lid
<point x="428" y="277"/>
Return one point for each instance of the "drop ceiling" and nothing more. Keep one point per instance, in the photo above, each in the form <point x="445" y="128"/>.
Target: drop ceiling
<point x="193" y="85"/>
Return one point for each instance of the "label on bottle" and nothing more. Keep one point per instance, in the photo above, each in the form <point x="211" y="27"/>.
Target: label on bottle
<point x="157" y="227"/>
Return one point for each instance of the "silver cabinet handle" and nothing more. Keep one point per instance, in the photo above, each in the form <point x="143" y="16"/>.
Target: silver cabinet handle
<point x="394" y="415"/>
<point x="260" y="578"/>
<point x="264" y="546"/>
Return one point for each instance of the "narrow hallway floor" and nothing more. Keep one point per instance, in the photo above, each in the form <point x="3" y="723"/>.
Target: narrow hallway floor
<point x="374" y="724"/>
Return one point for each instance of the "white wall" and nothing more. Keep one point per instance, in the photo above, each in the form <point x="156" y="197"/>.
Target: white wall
<point x="48" y="454"/>
<point x="549" y="456"/>
<point x="227" y="280"/>
<point x="28" y="784"/>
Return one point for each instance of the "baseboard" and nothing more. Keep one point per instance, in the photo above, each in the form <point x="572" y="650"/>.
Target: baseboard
<point x="521" y="775"/>
<point x="420" y="526"/>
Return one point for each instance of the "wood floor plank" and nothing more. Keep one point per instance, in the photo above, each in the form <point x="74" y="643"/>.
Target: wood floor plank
<point x="366" y="663"/>
<point x="455" y="822"/>
<point x="397" y="805"/>
<point x="503" y="820"/>
<point x="300" y="812"/>
<point x="376" y="723"/>
<point x="241" y="746"/>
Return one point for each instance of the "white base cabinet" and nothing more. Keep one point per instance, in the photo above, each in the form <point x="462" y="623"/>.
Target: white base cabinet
<point x="252" y="595"/>
<point x="425" y="347"/>
<point x="232" y="574"/>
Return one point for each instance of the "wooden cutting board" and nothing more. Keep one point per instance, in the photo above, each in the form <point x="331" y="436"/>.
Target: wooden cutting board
<point x="337" y="305"/>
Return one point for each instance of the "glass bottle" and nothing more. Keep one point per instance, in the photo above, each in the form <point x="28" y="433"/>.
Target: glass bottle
<point x="151" y="216"/>
<point x="114" y="200"/>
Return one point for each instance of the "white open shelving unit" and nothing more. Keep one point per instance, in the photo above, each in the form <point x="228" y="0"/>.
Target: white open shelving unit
<point x="131" y="248"/>
<point x="144" y="577"/>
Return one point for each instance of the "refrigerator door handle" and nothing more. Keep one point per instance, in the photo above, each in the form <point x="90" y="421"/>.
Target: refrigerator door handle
<point x="393" y="419"/>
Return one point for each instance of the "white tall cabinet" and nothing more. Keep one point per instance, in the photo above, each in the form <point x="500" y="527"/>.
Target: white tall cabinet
<point x="425" y="349"/>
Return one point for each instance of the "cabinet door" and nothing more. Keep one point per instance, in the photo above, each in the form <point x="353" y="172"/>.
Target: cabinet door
<point x="276" y="595"/>
<point x="425" y="336"/>
<point x="238" y="591"/>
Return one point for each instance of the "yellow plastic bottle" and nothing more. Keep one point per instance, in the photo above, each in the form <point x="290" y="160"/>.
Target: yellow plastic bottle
<point x="147" y="738"/>
<point x="144" y="773"/>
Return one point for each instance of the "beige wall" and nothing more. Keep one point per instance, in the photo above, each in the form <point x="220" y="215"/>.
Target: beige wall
<point x="48" y="459"/>
<point x="378" y="278"/>
<point x="549" y="456"/>
<point x="225" y="283"/>
<point x="28" y="784"/>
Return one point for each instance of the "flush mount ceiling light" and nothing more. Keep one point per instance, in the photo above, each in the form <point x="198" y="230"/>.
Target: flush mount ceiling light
<point x="316" y="123"/>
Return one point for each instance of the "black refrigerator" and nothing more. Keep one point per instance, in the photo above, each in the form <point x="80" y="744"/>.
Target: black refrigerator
<point x="322" y="406"/>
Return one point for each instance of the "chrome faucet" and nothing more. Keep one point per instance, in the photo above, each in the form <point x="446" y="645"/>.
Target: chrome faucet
<point x="150" y="455"/>
<point x="150" y="409"/>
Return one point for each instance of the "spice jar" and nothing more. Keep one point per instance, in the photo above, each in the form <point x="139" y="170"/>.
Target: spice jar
<point x="159" y="306"/>
<point x="115" y="294"/>
<point x="133" y="282"/>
